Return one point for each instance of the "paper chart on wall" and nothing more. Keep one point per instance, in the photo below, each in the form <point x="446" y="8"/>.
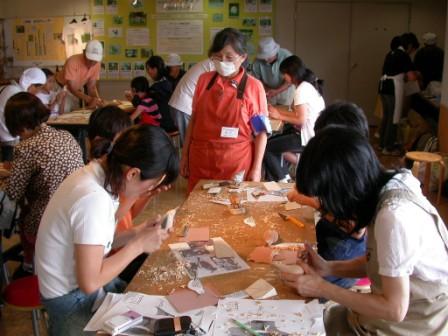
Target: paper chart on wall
<point x="137" y="37"/>
<point x="180" y="36"/>
<point x="265" y="6"/>
<point x="269" y="317"/>
<point x="98" y="27"/>
<point x="250" y="6"/>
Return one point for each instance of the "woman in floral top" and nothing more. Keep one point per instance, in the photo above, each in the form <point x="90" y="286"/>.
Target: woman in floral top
<point x="42" y="160"/>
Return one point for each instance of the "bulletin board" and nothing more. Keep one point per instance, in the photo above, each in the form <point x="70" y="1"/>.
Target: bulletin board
<point x="38" y="41"/>
<point x="133" y="30"/>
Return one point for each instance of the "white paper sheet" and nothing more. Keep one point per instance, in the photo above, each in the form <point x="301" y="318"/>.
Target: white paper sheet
<point x="152" y="306"/>
<point x="287" y="316"/>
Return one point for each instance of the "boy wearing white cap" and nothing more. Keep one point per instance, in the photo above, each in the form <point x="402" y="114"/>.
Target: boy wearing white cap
<point x="174" y="67"/>
<point x="83" y="70"/>
<point x="31" y="81"/>
<point x="267" y="69"/>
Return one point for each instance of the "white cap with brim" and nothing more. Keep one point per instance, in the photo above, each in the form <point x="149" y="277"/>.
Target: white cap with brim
<point x="173" y="60"/>
<point x="32" y="76"/>
<point x="429" y="38"/>
<point x="94" y="51"/>
<point x="267" y="48"/>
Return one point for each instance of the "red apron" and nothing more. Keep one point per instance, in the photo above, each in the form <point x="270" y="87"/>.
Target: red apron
<point x="210" y="155"/>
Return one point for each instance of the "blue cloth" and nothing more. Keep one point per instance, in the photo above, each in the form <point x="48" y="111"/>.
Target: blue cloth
<point x="335" y="244"/>
<point x="70" y="313"/>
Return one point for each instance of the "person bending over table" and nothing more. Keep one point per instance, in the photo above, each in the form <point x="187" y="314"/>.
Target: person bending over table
<point x="82" y="70"/>
<point x="78" y="226"/>
<point x="307" y="104"/>
<point x="407" y="241"/>
<point x="333" y="242"/>
<point x="227" y="102"/>
<point x="43" y="158"/>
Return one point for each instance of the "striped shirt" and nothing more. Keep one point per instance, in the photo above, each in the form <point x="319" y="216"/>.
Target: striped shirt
<point x="149" y="112"/>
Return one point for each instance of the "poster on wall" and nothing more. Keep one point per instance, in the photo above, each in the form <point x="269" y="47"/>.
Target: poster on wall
<point x="215" y="3"/>
<point x="139" y="69"/>
<point x="98" y="27"/>
<point x="125" y="70"/>
<point x="38" y="41"/>
<point x="112" y="70"/>
<point x="115" y="32"/>
<point x="137" y="37"/>
<point x="163" y="6"/>
<point x="112" y="6"/>
<point x="250" y="6"/>
<point x="265" y="26"/>
<point x="265" y="6"/>
<point x="180" y="36"/>
<point x="98" y="7"/>
<point x="234" y="10"/>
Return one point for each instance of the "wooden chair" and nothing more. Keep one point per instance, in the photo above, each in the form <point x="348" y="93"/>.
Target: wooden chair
<point x="428" y="159"/>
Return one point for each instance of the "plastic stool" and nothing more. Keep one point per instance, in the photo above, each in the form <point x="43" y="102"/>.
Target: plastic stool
<point x="23" y="294"/>
<point x="428" y="158"/>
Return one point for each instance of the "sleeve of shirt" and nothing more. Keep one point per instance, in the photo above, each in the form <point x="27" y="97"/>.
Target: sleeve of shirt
<point x="96" y="72"/>
<point x="21" y="172"/>
<point x="302" y="94"/>
<point x="256" y="70"/>
<point x="397" y="238"/>
<point x="260" y="103"/>
<point x="71" y="70"/>
<point x="92" y="218"/>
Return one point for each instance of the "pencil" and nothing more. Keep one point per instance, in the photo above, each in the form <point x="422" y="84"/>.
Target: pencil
<point x="245" y="327"/>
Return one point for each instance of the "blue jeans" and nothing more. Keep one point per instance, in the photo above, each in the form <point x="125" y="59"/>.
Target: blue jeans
<point x="335" y="244"/>
<point x="70" y="313"/>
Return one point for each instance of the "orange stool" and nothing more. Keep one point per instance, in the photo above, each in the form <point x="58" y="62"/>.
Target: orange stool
<point x="428" y="159"/>
<point x="23" y="294"/>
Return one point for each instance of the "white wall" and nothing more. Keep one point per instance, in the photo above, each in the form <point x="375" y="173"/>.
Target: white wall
<point x="427" y="15"/>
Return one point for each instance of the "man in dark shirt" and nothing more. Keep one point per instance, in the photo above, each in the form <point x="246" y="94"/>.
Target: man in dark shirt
<point x="429" y="60"/>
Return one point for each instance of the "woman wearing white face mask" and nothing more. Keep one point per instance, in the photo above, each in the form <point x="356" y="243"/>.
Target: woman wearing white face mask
<point x="227" y="132"/>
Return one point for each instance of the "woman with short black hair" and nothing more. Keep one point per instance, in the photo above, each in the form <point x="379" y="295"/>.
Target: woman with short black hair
<point x="78" y="227"/>
<point x="299" y="129"/>
<point x="221" y="140"/>
<point x="407" y="241"/>
<point x="42" y="160"/>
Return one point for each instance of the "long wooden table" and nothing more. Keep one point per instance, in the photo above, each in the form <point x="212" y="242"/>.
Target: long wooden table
<point x="77" y="121"/>
<point x="197" y="211"/>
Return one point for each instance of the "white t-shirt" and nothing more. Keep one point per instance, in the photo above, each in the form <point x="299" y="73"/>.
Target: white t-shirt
<point x="182" y="97"/>
<point x="8" y="92"/>
<point x="306" y="94"/>
<point x="47" y="99"/>
<point x="81" y="211"/>
<point x="408" y="242"/>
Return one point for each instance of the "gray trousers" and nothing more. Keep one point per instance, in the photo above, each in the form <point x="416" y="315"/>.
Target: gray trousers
<point x="181" y="120"/>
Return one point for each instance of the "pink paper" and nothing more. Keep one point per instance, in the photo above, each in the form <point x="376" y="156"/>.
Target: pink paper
<point x="185" y="299"/>
<point x="197" y="234"/>
<point x="261" y="254"/>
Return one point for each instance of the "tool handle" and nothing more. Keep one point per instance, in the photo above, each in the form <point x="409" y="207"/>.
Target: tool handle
<point x="296" y="221"/>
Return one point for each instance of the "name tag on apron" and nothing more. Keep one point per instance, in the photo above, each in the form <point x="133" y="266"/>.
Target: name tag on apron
<point x="229" y="132"/>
